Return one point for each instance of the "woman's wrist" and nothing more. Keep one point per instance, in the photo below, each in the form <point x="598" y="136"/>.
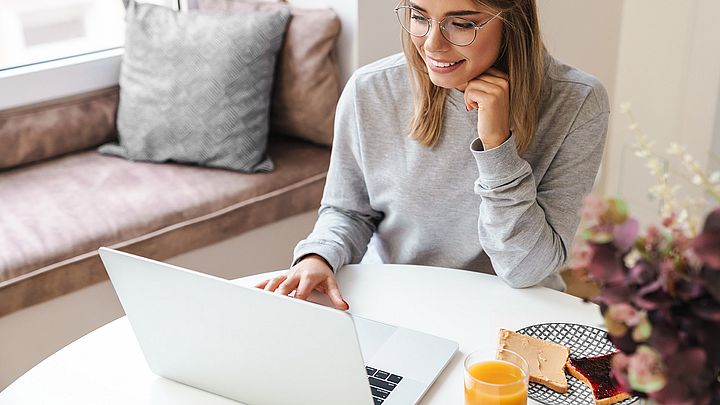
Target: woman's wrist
<point x="314" y="256"/>
<point x="494" y="141"/>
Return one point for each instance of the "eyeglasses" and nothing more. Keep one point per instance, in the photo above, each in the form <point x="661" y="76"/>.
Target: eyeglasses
<point x="457" y="30"/>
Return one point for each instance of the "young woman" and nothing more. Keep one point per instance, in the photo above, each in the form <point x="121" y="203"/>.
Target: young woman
<point x="472" y="149"/>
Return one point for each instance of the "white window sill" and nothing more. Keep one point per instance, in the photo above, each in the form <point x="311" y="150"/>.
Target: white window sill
<point x="60" y="78"/>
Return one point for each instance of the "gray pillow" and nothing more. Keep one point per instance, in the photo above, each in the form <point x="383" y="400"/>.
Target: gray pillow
<point x="195" y="87"/>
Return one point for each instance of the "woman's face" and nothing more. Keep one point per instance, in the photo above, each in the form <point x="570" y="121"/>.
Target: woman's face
<point x="472" y="60"/>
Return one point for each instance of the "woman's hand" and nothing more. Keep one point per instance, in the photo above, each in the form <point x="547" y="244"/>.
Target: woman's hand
<point x="490" y="94"/>
<point x="310" y="273"/>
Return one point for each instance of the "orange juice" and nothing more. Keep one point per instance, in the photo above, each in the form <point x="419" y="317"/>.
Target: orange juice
<point x="495" y="382"/>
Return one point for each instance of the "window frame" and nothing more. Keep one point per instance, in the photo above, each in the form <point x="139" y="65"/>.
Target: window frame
<point x="68" y="76"/>
<point x="43" y="81"/>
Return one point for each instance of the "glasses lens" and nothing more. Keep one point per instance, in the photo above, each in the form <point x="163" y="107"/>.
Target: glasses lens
<point x="413" y="21"/>
<point x="459" y="31"/>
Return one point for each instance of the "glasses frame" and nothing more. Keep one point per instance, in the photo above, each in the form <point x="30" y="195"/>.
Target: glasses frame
<point x="476" y="27"/>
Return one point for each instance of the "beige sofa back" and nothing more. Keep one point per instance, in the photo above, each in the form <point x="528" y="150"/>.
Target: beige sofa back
<point x="33" y="133"/>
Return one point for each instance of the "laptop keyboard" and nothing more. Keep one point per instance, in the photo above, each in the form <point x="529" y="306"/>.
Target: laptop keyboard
<point x="381" y="383"/>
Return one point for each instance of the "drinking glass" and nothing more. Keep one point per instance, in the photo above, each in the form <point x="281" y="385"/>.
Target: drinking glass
<point x="502" y="380"/>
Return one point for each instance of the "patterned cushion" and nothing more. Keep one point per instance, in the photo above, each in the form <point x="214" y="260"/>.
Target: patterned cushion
<point x="307" y="69"/>
<point x="195" y="87"/>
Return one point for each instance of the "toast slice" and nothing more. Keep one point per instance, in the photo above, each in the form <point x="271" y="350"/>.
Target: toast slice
<point x="595" y="373"/>
<point x="546" y="360"/>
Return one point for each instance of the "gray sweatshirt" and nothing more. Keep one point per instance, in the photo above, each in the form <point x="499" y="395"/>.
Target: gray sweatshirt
<point x="456" y="205"/>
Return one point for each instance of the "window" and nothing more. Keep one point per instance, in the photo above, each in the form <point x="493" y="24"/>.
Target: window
<point x="36" y="31"/>
<point x="56" y="48"/>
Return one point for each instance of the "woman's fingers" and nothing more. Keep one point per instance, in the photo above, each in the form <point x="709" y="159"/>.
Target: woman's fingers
<point x="304" y="288"/>
<point x="307" y="275"/>
<point x="287" y="286"/>
<point x="335" y="297"/>
<point x="262" y="284"/>
<point x="491" y="84"/>
<point x="482" y="92"/>
<point x="500" y="83"/>
<point x="273" y="283"/>
<point x="477" y="92"/>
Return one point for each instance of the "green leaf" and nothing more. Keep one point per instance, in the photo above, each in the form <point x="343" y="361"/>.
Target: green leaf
<point x="615" y="328"/>
<point x="642" y="331"/>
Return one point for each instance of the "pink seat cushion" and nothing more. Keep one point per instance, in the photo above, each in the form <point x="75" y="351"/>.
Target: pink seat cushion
<point x="69" y="206"/>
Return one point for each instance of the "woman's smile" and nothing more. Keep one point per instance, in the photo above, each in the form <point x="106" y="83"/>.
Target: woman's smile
<point x="443" y="66"/>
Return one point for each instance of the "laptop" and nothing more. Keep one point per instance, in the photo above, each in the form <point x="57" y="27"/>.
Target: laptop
<point x="262" y="348"/>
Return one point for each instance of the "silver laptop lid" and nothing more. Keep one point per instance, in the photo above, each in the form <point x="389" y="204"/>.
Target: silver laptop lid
<point x="242" y="343"/>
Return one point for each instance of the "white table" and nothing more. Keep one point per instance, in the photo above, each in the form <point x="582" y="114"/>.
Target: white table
<point x="107" y="367"/>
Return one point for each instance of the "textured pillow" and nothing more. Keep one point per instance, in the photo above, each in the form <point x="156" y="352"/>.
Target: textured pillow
<point x="307" y="81"/>
<point x="195" y="87"/>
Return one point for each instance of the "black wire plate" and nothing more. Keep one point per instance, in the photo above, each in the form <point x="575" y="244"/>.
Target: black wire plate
<point x="583" y="341"/>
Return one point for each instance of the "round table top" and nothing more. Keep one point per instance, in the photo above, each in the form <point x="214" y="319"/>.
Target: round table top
<point x="107" y="366"/>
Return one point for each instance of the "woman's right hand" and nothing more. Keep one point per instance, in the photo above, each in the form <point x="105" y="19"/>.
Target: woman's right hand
<point x="310" y="273"/>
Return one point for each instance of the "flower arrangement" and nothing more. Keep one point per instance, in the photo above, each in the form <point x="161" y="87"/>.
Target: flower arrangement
<point x="659" y="289"/>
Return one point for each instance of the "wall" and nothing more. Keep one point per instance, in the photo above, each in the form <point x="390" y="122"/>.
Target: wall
<point x="714" y="163"/>
<point x="669" y="70"/>
<point x="584" y="34"/>
<point x="379" y="31"/>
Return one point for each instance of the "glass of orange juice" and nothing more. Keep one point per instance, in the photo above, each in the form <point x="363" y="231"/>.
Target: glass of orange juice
<point x="494" y="381"/>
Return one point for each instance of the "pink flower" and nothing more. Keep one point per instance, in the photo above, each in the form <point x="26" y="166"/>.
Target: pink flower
<point x="593" y="208"/>
<point x="580" y="256"/>
<point x="645" y="370"/>
<point x="625" y="313"/>
<point x="669" y="220"/>
<point x="652" y="236"/>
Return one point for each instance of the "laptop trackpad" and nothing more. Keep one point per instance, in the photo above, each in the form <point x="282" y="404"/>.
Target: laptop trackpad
<point x="402" y="351"/>
<point x="372" y="336"/>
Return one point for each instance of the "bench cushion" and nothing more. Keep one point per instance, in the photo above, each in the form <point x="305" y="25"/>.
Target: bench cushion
<point x="55" y="214"/>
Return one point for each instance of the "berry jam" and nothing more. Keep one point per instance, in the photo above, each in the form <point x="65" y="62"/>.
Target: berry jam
<point x="597" y="371"/>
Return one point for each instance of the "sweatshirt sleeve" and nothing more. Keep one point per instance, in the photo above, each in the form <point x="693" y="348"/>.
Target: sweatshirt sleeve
<point x="526" y="230"/>
<point x="346" y="221"/>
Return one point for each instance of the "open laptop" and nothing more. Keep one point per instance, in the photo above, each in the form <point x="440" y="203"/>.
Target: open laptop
<point x="262" y="348"/>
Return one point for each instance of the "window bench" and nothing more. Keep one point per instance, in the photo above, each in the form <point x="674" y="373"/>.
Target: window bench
<point x="60" y="199"/>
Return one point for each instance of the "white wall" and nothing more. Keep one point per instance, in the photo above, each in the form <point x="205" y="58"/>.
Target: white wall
<point x="379" y="31"/>
<point x="669" y="70"/>
<point x="584" y="34"/>
<point x="714" y="163"/>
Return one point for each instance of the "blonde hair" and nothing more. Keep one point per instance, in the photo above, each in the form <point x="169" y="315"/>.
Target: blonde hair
<point x="522" y="56"/>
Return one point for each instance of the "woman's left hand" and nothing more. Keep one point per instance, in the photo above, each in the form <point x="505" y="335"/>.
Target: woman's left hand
<point x="490" y="94"/>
